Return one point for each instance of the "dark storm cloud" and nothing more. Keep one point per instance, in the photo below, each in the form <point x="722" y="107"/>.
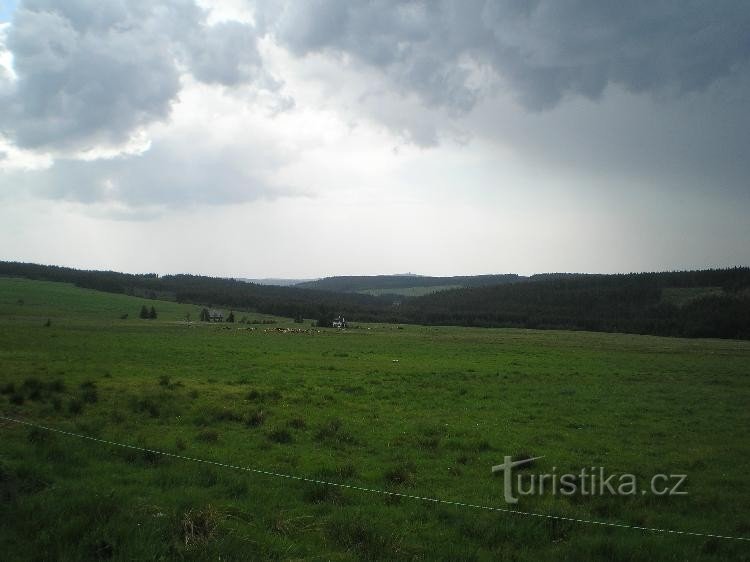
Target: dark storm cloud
<point x="669" y="80"/>
<point x="544" y="49"/>
<point x="91" y="72"/>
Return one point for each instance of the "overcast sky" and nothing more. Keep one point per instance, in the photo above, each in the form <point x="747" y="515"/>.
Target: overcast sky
<point x="304" y="139"/>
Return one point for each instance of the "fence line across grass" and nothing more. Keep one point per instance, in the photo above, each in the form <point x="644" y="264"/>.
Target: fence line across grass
<point x="376" y="490"/>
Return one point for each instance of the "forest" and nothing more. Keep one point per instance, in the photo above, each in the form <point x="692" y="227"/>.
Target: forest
<point x="707" y="303"/>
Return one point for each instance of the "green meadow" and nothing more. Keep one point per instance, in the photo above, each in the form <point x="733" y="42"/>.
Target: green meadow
<point x="422" y="411"/>
<point x="409" y="291"/>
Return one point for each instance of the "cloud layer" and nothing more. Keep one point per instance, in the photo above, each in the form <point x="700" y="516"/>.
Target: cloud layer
<point x="542" y="50"/>
<point x="386" y="120"/>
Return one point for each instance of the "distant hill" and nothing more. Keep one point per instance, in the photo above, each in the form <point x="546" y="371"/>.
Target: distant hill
<point x="407" y="284"/>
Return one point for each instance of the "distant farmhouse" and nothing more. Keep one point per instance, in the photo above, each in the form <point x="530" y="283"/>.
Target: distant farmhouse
<point x="339" y="322"/>
<point x="212" y="315"/>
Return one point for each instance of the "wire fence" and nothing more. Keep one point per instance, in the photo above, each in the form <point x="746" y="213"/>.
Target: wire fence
<point x="364" y="489"/>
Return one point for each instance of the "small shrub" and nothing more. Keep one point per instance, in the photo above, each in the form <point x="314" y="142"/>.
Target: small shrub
<point x="297" y="423"/>
<point x="324" y="493"/>
<point x="280" y="436"/>
<point x="225" y="414"/>
<point x="332" y="431"/>
<point x="364" y="537"/>
<point x="711" y="546"/>
<point x="152" y="458"/>
<point x="208" y="436"/>
<point x="24" y="480"/>
<point x="146" y="458"/>
<point x="31" y="383"/>
<point x="329" y="429"/>
<point x="16" y="398"/>
<point x="75" y="406"/>
<point x="430" y="442"/>
<point x="258" y="396"/>
<point x="522" y="456"/>
<point x="164" y="380"/>
<point x="56" y="385"/>
<point x="37" y="435"/>
<point x="207" y="477"/>
<point x="236" y="489"/>
<point x="180" y="444"/>
<point x="342" y="472"/>
<point x="483" y="445"/>
<point x="8" y="388"/>
<point x="89" y="393"/>
<point x="146" y="405"/>
<point x="102" y="550"/>
<point x="401" y="475"/>
<point x="255" y="418"/>
<point x="57" y="403"/>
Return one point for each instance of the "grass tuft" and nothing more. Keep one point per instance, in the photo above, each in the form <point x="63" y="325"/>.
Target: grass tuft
<point x="401" y="474"/>
<point x="199" y="526"/>
<point x="332" y="431"/>
<point x="255" y="418"/>
<point x="208" y="436"/>
<point x="280" y="436"/>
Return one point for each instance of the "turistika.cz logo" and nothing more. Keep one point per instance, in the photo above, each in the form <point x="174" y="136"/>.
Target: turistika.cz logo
<point x="590" y="481"/>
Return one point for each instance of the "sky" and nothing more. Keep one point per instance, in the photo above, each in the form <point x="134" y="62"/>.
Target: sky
<point x="349" y="137"/>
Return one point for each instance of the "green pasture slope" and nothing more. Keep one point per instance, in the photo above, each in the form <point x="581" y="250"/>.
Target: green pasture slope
<point x="409" y="291"/>
<point x="424" y="411"/>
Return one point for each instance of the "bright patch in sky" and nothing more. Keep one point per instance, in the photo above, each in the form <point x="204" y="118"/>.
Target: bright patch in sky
<point x="7" y="7"/>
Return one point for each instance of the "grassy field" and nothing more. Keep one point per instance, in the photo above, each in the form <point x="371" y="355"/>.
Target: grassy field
<point x="421" y="410"/>
<point x="409" y="291"/>
<point x="682" y="296"/>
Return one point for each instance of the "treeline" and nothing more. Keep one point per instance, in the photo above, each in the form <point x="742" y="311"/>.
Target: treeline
<point x="634" y="303"/>
<point x="714" y="303"/>
<point x="354" y="283"/>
